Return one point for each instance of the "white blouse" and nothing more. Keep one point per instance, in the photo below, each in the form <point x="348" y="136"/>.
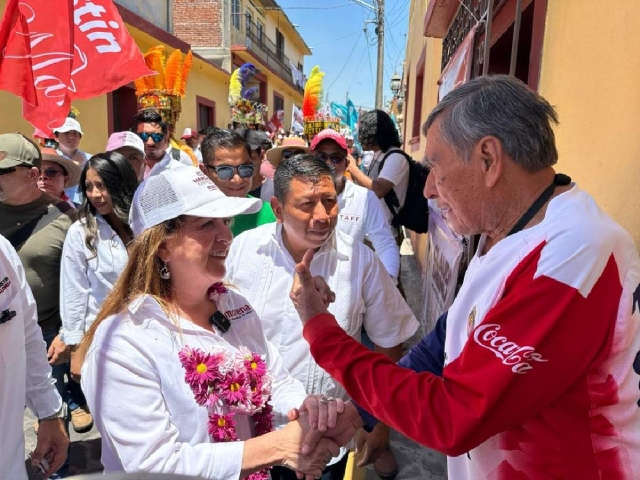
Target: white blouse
<point x="145" y="412"/>
<point x="85" y="278"/>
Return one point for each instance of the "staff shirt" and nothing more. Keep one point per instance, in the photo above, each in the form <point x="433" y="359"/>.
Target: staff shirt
<point x="361" y="216"/>
<point x="167" y="163"/>
<point x="86" y="278"/>
<point x="261" y="267"/>
<point x="25" y="374"/>
<point x="145" y="412"/>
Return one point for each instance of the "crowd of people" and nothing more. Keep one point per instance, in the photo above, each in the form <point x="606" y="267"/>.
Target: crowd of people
<point x="234" y="309"/>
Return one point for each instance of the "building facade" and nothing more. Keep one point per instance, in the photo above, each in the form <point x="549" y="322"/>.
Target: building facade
<point x="580" y="55"/>
<point x="230" y="33"/>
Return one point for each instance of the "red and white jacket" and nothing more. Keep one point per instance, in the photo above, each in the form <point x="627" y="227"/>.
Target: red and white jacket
<point x="539" y="378"/>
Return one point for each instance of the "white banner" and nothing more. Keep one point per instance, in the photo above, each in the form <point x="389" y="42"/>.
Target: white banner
<point x="442" y="264"/>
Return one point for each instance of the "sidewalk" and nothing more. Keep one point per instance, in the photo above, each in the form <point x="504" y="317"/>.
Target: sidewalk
<point x="415" y="462"/>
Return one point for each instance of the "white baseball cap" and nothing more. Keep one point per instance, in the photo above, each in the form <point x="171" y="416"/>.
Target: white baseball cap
<point x="183" y="191"/>
<point x="69" y="125"/>
<point x="189" y="133"/>
<point x="125" y="139"/>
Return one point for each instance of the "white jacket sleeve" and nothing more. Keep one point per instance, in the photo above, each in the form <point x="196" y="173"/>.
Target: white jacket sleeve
<point x="132" y="415"/>
<point x="378" y="232"/>
<point x="74" y="286"/>
<point x="286" y="391"/>
<point x="41" y="395"/>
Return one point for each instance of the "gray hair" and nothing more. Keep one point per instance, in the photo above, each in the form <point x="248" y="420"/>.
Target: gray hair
<point x="503" y="107"/>
<point x="304" y="167"/>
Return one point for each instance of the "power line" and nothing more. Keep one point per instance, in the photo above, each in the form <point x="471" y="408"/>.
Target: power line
<point x="358" y="68"/>
<point x="315" y="8"/>
<point x="345" y="64"/>
<point x="336" y="39"/>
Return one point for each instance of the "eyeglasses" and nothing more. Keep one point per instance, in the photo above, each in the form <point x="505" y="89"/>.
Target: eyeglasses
<point x="157" y="137"/>
<point x="51" y="172"/>
<point x="334" y="157"/>
<point x="287" y="153"/>
<point x="226" y="172"/>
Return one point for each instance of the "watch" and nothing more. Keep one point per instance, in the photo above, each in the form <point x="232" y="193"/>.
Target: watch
<point x="60" y="414"/>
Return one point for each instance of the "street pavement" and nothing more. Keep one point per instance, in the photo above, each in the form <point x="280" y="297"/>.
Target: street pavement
<point x="415" y="462"/>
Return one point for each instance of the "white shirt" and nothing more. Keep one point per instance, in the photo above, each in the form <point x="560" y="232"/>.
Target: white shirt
<point x="396" y="171"/>
<point x="145" y="412"/>
<point x="266" y="192"/>
<point x="75" y="197"/>
<point x="198" y="154"/>
<point x="261" y="267"/>
<point x="167" y="163"/>
<point x="361" y="216"/>
<point x="184" y="157"/>
<point x="85" y="278"/>
<point x="25" y="374"/>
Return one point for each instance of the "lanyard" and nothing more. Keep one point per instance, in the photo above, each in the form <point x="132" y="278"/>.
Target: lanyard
<point x="560" y="179"/>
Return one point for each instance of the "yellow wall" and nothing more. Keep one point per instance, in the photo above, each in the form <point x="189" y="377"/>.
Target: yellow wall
<point x="591" y="73"/>
<point x="415" y="43"/>
<point x="292" y="48"/>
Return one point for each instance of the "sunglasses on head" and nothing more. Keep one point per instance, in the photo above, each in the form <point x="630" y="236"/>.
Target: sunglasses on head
<point x="51" y="172"/>
<point x="334" y="157"/>
<point x="156" y="137"/>
<point x="226" y="172"/>
<point x="288" y="153"/>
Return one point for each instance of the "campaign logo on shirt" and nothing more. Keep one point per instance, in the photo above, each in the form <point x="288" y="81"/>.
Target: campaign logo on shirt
<point x="348" y="217"/>
<point x="4" y="284"/>
<point x="519" y="358"/>
<point x="238" y="313"/>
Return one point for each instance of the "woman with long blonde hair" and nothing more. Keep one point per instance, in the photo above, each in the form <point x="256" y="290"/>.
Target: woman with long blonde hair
<point x="177" y="371"/>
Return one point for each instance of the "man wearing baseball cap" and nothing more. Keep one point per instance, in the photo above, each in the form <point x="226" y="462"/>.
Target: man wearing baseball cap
<point x="36" y="223"/>
<point x="69" y="136"/>
<point x="190" y="137"/>
<point x="131" y="147"/>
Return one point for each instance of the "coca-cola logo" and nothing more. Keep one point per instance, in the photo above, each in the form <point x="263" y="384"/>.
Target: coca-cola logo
<point x="518" y="357"/>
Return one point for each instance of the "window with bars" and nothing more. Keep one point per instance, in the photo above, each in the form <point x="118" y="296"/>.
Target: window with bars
<point x="279" y="44"/>
<point x="259" y="32"/>
<point x="235" y="14"/>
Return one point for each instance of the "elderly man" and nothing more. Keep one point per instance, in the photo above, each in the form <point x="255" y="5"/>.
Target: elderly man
<point x="148" y="125"/>
<point x="25" y="376"/>
<point x="534" y="372"/>
<point x="361" y="214"/>
<point x="261" y="264"/>
<point x="227" y="162"/>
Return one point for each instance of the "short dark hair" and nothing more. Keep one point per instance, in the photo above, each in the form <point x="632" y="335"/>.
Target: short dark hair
<point x="377" y="128"/>
<point x="149" y="115"/>
<point x="207" y="130"/>
<point x="302" y="166"/>
<point x="121" y="182"/>
<point x="503" y="107"/>
<point x="222" y="140"/>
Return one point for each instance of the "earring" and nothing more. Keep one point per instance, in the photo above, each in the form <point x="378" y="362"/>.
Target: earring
<point x="165" y="273"/>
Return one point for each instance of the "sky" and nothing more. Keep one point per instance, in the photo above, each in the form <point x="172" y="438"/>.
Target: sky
<point x="334" y="30"/>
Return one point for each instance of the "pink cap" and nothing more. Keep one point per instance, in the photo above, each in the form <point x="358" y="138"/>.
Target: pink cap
<point x="329" y="134"/>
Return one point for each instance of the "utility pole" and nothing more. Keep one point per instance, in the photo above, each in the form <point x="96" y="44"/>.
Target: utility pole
<point x="378" y="8"/>
<point x="380" y="75"/>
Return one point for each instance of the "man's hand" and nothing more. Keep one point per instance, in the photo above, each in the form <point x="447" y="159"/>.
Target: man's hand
<point x="346" y="426"/>
<point x="369" y="446"/>
<point x="76" y="365"/>
<point x="58" y="352"/>
<point x="322" y="411"/>
<point x="310" y="295"/>
<point x="53" y="443"/>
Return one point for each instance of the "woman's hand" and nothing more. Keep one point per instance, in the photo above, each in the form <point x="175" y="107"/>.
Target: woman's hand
<point x="322" y="411"/>
<point x="58" y="352"/>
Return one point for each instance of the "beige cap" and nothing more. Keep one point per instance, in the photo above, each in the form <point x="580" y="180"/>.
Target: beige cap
<point x="16" y="149"/>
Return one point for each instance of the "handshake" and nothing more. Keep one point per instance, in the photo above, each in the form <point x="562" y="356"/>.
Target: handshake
<point x="316" y="432"/>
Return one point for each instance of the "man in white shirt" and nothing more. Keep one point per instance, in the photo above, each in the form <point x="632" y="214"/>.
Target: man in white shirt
<point x="148" y="125"/>
<point x="190" y="137"/>
<point x="25" y="376"/>
<point x="360" y="212"/>
<point x="377" y="132"/>
<point x="261" y="264"/>
<point x="131" y="147"/>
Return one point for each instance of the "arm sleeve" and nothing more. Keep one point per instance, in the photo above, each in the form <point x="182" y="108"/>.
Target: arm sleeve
<point x="379" y="234"/>
<point x="395" y="168"/>
<point x="74" y="286"/>
<point x="286" y="391"/>
<point x="388" y="319"/>
<point x="41" y="395"/>
<point x="142" y="436"/>
<point x="521" y="357"/>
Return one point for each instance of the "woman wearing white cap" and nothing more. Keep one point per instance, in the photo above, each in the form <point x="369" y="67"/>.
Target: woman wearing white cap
<point x="68" y="136"/>
<point x="178" y="372"/>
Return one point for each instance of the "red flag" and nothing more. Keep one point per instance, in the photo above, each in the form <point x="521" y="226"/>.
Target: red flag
<point x="276" y="121"/>
<point x="53" y="52"/>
